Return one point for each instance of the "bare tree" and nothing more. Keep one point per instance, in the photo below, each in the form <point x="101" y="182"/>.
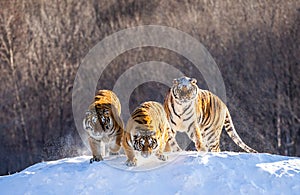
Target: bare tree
<point x="255" y="44"/>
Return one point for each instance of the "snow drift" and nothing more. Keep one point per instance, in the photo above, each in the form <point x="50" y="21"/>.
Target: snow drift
<point x="184" y="173"/>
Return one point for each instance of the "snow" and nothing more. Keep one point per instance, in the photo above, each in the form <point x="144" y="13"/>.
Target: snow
<point x="183" y="173"/>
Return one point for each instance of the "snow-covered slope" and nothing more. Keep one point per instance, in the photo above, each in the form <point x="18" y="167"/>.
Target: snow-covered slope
<point x="184" y="173"/>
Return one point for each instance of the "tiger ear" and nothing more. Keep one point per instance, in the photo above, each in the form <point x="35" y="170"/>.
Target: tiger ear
<point x="175" y="81"/>
<point x="194" y="81"/>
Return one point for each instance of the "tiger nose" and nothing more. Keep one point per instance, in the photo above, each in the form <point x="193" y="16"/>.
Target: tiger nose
<point x="145" y="154"/>
<point x="184" y="90"/>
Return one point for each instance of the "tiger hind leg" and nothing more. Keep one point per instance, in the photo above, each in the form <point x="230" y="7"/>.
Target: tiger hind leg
<point x="115" y="147"/>
<point x="197" y="139"/>
<point x="215" y="148"/>
<point x="214" y="140"/>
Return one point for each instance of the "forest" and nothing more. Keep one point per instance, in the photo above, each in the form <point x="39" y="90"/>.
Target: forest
<point x="42" y="44"/>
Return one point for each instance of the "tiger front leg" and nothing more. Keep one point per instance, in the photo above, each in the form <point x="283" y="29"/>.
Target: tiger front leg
<point x="95" y="148"/>
<point x="173" y="145"/>
<point x="129" y="151"/>
<point x="131" y="160"/>
<point x="197" y="138"/>
<point x="160" y="155"/>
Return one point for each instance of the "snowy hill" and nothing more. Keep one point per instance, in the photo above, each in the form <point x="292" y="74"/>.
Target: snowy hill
<point x="184" y="173"/>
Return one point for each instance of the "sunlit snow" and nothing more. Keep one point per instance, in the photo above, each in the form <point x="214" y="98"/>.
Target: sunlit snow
<point x="183" y="173"/>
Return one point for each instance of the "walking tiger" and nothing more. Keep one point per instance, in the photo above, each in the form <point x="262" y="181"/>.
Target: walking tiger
<point x="148" y="131"/>
<point x="103" y="124"/>
<point x="200" y="114"/>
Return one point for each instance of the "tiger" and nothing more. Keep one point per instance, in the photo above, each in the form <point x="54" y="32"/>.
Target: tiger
<point x="148" y="132"/>
<point x="103" y="124"/>
<point x="201" y="114"/>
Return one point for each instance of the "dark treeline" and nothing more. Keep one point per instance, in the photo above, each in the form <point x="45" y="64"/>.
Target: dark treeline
<point x="42" y="43"/>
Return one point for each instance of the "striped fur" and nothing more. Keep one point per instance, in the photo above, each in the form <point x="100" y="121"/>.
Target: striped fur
<point x="148" y="132"/>
<point x="103" y="124"/>
<point x="200" y="114"/>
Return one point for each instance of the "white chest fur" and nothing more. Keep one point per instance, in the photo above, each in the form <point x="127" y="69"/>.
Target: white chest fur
<point x="182" y="115"/>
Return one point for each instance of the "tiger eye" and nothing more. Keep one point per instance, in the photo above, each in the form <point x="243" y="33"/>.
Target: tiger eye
<point x="193" y="81"/>
<point x="106" y="113"/>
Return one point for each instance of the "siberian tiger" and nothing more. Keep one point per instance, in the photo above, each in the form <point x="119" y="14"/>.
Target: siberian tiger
<point x="103" y="124"/>
<point x="148" y="131"/>
<point x="200" y="114"/>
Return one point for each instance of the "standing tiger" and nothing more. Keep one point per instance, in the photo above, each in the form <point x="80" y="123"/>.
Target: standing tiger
<point x="200" y="114"/>
<point x="148" y="131"/>
<point x="103" y="124"/>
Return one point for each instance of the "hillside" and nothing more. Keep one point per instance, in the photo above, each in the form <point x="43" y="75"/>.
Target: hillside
<point x="184" y="173"/>
<point x="255" y="45"/>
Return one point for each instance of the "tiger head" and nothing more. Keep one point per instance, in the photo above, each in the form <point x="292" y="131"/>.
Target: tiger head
<point x="105" y="116"/>
<point x="184" y="89"/>
<point x="145" y="142"/>
<point x="99" y="121"/>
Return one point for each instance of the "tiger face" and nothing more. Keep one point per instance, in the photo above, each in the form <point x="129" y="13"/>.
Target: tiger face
<point x="147" y="132"/>
<point x="101" y="124"/>
<point x="184" y="89"/>
<point x="91" y="124"/>
<point x="105" y="119"/>
<point x="146" y="143"/>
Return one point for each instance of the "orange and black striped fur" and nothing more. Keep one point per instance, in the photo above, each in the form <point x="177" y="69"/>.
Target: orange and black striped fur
<point x="103" y="124"/>
<point x="200" y="114"/>
<point x="148" y="132"/>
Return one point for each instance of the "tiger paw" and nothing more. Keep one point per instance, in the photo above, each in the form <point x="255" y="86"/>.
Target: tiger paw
<point x="162" y="157"/>
<point x="114" y="149"/>
<point x="131" y="163"/>
<point x="96" y="158"/>
<point x="113" y="153"/>
<point x="178" y="149"/>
